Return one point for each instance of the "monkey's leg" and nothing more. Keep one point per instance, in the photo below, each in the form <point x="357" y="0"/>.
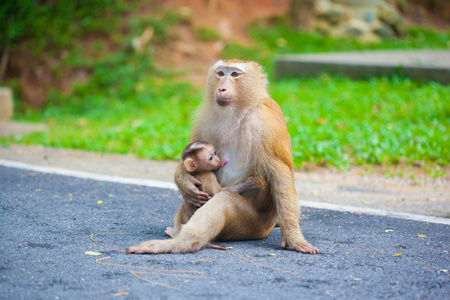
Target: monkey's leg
<point x="227" y="212"/>
<point x="286" y="200"/>
<point x="169" y="232"/>
<point x="180" y="218"/>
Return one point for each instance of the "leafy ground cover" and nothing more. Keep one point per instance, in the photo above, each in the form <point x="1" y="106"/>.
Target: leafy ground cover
<point x="129" y="105"/>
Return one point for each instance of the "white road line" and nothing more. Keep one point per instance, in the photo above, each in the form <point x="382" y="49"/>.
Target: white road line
<point x="172" y="186"/>
<point x="88" y="175"/>
<point x="376" y="212"/>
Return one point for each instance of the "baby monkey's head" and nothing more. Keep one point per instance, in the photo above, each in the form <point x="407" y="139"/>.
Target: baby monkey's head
<point x="201" y="156"/>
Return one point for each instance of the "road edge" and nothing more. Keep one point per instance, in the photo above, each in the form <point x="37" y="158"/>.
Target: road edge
<point x="172" y="186"/>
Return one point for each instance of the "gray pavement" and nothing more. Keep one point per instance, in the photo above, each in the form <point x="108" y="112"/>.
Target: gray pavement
<point x="46" y="218"/>
<point x="417" y="64"/>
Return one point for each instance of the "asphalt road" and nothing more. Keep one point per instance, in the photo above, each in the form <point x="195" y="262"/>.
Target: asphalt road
<point x="45" y="219"/>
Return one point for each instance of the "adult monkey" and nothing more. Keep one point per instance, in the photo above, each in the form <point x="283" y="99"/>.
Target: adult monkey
<point x="248" y="130"/>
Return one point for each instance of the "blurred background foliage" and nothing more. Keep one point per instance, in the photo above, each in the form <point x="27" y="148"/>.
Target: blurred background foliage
<point x="106" y="88"/>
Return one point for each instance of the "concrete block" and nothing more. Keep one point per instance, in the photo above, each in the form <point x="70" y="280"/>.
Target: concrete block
<point x="431" y="65"/>
<point x="6" y="104"/>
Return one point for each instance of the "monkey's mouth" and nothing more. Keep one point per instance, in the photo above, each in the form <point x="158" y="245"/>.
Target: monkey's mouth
<point x="224" y="102"/>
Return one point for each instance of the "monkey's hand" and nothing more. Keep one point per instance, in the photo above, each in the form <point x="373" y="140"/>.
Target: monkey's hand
<point x="301" y="245"/>
<point x="195" y="196"/>
<point x="188" y="187"/>
<point x="249" y="184"/>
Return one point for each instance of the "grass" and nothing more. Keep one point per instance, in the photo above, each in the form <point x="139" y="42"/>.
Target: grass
<point x="340" y="122"/>
<point x="131" y="106"/>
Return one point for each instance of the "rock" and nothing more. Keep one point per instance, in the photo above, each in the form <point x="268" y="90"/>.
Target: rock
<point x="356" y="28"/>
<point x="400" y="28"/>
<point x="6" y="104"/>
<point x="338" y="14"/>
<point x="323" y="26"/>
<point x="367" y="20"/>
<point x="384" y="30"/>
<point x="388" y="14"/>
<point x="369" y="37"/>
<point x="321" y="7"/>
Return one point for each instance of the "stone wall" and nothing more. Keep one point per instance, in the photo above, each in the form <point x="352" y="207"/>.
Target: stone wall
<point x="366" y="20"/>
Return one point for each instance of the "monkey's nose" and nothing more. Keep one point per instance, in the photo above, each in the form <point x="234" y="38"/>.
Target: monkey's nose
<point x="222" y="90"/>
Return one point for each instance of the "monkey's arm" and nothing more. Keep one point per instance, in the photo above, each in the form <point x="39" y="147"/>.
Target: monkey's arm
<point x="249" y="184"/>
<point x="187" y="184"/>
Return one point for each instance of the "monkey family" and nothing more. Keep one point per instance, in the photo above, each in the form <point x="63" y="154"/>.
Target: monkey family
<point x="200" y="159"/>
<point x="248" y="130"/>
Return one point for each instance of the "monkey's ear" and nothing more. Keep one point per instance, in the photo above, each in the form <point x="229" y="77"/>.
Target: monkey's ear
<point x="264" y="78"/>
<point x="190" y="164"/>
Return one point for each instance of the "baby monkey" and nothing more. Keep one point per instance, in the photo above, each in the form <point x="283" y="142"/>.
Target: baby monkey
<point x="200" y="159"/>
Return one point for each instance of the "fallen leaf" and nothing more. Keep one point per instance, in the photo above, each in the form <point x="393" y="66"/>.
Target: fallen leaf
<point x="37" y="190"/>
<point x="100" y="202"/>
<point x="396" y="255"/>
<point x="357" y="279"/>
<point x="389" y="230"/>
<point x="272" y="254"/>
<point x="92" y="253"/>
<point x="443" y="270"/>
<point x="228" y="248"/>
<point x="421" y="235"/>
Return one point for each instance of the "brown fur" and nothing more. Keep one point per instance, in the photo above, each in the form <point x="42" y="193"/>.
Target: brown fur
<point x="251" y="134"/>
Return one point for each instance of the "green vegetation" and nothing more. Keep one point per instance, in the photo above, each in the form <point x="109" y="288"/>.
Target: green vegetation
<point x="150" y="118"/>
<point x="338" y="121"/>
<point x="130" y="106"/>
<point x="206" y="34"/>
<point x="51" y="25"/>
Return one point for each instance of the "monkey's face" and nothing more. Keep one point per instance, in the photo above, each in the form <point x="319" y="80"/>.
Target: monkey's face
<point x="228" y="76"/>
<point x="208" y="159"/>
<point x="236" y="82"/>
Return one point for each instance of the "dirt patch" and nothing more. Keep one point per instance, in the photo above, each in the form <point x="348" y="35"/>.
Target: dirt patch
<point x="186" y="52"/>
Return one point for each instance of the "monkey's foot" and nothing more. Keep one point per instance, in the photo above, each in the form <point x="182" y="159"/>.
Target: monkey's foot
<point x="304" y="247"/>
<point x="169" y="231"/>
<point x="151" y="247"/>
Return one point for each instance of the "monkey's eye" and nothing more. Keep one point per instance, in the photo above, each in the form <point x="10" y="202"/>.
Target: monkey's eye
<point x="211" y="157"/>
<point x="235" y="74"/>
<point x="215" y="153"/>
<point x="220" y="73"/>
